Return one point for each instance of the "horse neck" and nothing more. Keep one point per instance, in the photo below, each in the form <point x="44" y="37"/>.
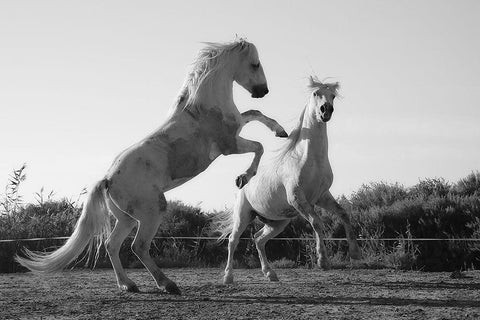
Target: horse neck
<point x="217" y="91"/>
<point x="313" y="136"/>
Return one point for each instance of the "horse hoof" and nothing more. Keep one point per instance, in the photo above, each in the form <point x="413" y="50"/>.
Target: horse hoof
<point x="228" y="279"/>
<point x="129" y="288"/>
<point x="272" y="276"/>
<point x="172" y="288"/>
<point x="282" y="134"/>
<point x="241" y="181"/>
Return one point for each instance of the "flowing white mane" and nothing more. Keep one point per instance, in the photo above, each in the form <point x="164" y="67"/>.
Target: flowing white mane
<point x="210" y="59"/>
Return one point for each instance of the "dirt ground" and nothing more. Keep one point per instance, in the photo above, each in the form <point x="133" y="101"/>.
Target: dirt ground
<point x="300" y="294"/>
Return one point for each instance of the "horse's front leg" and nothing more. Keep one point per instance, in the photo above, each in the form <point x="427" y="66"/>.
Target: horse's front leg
<point x="245" y="146"/>
<point x="255" y="115"/>
<point x="296" y="198"/>
<point x="329" y="203"/>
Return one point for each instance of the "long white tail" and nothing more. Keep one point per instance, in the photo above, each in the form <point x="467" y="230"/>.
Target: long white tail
<point x="222" y="223"/>
<point x="92" y="228"/>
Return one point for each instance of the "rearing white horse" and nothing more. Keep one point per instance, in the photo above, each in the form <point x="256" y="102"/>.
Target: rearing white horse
<point x="299" y="179"/>
<point x="203" y="124"/>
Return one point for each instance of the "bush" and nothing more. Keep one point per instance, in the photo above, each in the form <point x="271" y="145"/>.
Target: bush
<point x="377" y="194"/>
<point x="468" y="186"/>
<point x="436" y="187"/>
<point x="433" y="208"/>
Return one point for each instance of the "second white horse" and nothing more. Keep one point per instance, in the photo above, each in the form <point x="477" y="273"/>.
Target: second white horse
<point x="299" y="180"/>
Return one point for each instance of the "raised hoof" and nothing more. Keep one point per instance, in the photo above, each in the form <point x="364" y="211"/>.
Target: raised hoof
<point x="282" y="134"/>
<point x="172" y="288"/>
<point x="228" y="279"/>
<point x="129" y="288"/>
<point x="242" y="180"/>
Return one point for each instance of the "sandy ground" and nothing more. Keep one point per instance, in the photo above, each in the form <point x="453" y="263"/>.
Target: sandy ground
<point x="300" y="294"/>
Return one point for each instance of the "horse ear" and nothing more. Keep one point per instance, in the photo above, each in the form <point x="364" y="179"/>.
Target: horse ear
<point x="311" y="81"/>
<point x="243" y="44"/>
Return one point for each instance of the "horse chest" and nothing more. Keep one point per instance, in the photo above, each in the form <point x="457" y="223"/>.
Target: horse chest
<point x="202" y="142"/>
<point x="223" y="137"/>
<point x="219" y="132"/>
<point x="315" y="180"/>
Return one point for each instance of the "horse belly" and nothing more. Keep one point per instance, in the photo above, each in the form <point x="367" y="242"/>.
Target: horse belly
<point x="276" y="211"/>
<point x="270" y="203"/>
<point x="188" y="157"/>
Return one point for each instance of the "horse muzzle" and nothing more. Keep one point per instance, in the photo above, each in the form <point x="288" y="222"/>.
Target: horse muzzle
<point x="325" y="118"/>
<point x="259" y="91"/>
<point x="326" y="112"/>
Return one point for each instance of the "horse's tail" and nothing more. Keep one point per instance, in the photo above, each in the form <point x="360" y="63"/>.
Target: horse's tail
<point x="222" y="223"/>
<point x="92" y="229"/>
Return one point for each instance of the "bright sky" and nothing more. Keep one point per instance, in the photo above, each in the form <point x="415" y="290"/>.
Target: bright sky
<point x="81" y="81"/>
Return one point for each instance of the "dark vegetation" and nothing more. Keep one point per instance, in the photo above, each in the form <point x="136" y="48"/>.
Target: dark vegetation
<point x="433" y="208"/>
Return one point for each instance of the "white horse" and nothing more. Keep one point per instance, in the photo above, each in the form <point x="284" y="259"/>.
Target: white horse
<point x="203" y="124"/>
<point x="299" y="179"/>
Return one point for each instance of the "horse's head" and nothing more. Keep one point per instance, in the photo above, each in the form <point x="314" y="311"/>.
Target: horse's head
<point x="322" y="98"/>
<point x="249" y="71"/>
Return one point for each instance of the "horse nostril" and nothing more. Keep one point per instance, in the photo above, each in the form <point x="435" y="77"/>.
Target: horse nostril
<point x="259" y="91"/>
<point x="322" y="108"/>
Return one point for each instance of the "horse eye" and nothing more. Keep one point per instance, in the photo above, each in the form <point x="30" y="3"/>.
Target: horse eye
<point x="255" y="65"/>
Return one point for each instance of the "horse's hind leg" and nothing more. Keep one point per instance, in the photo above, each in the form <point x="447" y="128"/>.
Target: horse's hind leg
<point x="269" y="231"/>
<point x="329" y="203"/>
<point x="148" y="226"/>
<point x="122" y="228"/>
<point x="242" y="216"/>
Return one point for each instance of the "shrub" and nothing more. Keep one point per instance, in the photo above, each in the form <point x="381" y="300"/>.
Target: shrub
<point x="468" y="186"/>
<point x="433" y="208"/>
<point x="377" y="194"/>
<point x="436" y="187"/>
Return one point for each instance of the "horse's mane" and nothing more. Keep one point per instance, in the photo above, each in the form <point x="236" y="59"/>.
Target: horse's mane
<point x="210" y="59"/>
<point x="314" y="85"/>
<point x="294" y="136"/>
<point x="323" y="88"/>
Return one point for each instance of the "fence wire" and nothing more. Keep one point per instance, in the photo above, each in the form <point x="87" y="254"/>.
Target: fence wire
<point x="273" y="239"/>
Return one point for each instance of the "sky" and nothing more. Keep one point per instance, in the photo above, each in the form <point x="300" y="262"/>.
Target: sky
<point x="80" y="81"/>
